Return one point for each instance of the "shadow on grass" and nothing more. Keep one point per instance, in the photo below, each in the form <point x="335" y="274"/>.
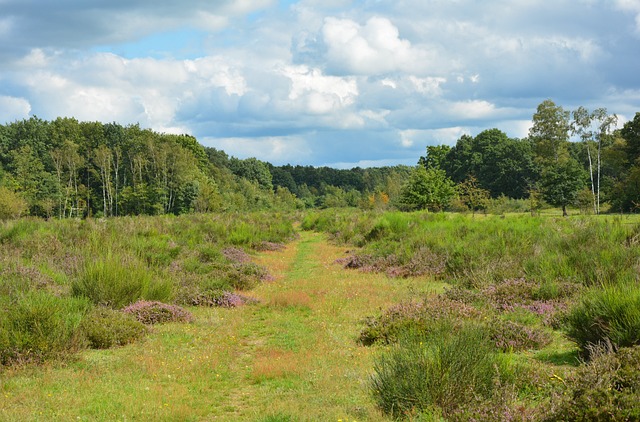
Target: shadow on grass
<point x="567" y="357"/>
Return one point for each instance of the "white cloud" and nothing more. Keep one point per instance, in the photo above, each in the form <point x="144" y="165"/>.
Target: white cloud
<point x="472" y="109"/>
<point x="430" y="86"/>
<point x="12" y="108"/>
<point x="317" y="93"/>
<point x="273" y="149"/>
<point x="373" y="49"/>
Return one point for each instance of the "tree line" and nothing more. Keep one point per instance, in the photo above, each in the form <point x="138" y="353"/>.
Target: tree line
<point x="601" y="166"/>
<point x="65" y="168"/>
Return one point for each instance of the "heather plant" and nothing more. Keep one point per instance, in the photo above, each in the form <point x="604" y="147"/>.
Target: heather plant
<point x="39" y="326"/>
<point x="152" y="312"/>
<point x="606" y="315"/>
<point x="446" y="370"/>
<point x="606" y="388"/>
<point x="419" y="316"/>
<point x="104" y="328"/>
<point x="512" y="336"/>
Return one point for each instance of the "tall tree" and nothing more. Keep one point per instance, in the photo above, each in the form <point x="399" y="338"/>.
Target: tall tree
<point x="550" y="132"/>
<point x="593" y="128"/>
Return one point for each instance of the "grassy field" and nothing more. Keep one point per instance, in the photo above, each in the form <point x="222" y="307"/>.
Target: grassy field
<point x="297" y="354"/>
<point x="293" y="356"/>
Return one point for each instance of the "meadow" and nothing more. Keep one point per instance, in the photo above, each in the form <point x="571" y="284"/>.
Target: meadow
<point x="327" y="315"/>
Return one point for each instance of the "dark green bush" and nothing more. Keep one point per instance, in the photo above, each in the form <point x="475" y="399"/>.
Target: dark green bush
<point x="445" y="370"/>
<point x="39" y="327"/>
<point x="605" y="389"/>
<point x="603" y="315"/>
<point x="104" y="328"/>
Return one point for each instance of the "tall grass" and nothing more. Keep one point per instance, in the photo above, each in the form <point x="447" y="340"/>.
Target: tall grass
<point x="39" y="327"/>
<point x="442" y="372"/>
<point x="117" y="281"/>
<point x="606" y="315"/>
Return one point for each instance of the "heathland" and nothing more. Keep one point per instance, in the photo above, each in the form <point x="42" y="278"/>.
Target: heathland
<point x="321" y="315"/>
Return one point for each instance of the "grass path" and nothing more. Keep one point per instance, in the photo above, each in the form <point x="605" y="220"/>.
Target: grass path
<point x="293" y="357"/>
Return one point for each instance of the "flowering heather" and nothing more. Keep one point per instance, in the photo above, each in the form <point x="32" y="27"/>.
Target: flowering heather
<point x="223" y="299"/>
<point x="513" y="336"/>
<point x="413" y="315"/>
<point x="269" y="246"/>
<point x="149" y="312"/>
<point x="236" y="255"/>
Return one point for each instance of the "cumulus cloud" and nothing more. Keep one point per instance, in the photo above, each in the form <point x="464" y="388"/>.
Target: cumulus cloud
<point x="12" y="108"/>
<point x="371" y="49"/>
<point x="317" y="82"/>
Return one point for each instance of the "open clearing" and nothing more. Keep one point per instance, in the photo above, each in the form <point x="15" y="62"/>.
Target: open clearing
<point x="293" y="356"/>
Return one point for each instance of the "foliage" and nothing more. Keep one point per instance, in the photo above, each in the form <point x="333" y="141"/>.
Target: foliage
<point x="419" y="316"/>
<point x="104" y="328"/>
<point x="609" y="314"/>
<point x="12" y="205"/>
<point x="444" y="371"/>
<point x="115" y="281"/>
<point x="39" y="326"/>
<point x="561" y="183"/>
<point x="427" y="189"/>
<point x="153" y="312"/>
<point x="606" y="388"/>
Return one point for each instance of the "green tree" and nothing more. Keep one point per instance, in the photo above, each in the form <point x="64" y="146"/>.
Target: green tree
<point x="561" y="183"/>
<point x="428" y="189"/>
<point x="472" y="195"/>
<point x="550" y="132"/>
<point x="436" y="156"/>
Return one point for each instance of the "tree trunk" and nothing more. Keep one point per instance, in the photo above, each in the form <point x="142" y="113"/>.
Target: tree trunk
<point x="564" y="211"/>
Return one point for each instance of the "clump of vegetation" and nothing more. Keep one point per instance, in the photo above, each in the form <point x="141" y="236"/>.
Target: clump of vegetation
<point x="104" y="328"/>
<point x="606" y="315"/>
<point x="39" y="326"/>
<point x="117" y="281"/>
<point x="152" y="312"/>
<point x="222" y="299"/>
<point x="606" y="388"/>
<point x="419" y="316"/>
<point x="438" y="373"/>
<point x="512" y="336"/>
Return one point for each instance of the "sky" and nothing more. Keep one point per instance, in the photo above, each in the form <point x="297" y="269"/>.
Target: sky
<point x="341" y="83"/>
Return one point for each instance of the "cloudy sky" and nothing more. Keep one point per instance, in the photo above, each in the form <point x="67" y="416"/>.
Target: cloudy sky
<point x="320" y="82"/>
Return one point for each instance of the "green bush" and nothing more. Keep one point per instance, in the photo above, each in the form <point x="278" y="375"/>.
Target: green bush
<point x="445" y="370"/>
<point x="117" y="281"/>
<point x="39" y="327"/>
<point x="104" y="328"/>
<point x="603" y="315"/>
<point x="605" y="389"/>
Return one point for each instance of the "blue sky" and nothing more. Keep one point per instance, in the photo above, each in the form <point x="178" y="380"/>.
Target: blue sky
<point x="320" y="82"/>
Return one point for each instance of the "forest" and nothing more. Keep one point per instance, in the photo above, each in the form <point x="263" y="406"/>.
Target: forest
<point x="66" y="168"/>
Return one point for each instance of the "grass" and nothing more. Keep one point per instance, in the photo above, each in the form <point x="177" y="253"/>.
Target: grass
<point x="294" y="356"/>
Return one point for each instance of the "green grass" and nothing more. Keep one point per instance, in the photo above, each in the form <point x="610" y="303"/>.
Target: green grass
<point x="295" y="354"/>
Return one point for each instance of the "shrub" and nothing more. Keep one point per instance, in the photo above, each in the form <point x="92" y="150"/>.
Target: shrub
<point x="116" y="281"/>
<point x="609" y="314"/>
<point x="605" y="389"/>
<point x="220" y="298"/>
<point x="157" y="312"/>
<point x="419" y="316"/>
<point x="39" y="327"/>
<point x="511" y="336"/>
<point x="446" y="370"/>
<point x="104" y="328"/>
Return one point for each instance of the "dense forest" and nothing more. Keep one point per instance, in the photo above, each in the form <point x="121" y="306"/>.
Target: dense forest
<point x="66" y="168"/>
